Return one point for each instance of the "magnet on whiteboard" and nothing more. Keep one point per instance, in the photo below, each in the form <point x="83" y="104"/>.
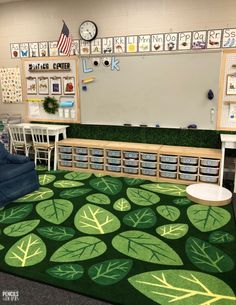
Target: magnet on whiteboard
<point x="106" y="61"/>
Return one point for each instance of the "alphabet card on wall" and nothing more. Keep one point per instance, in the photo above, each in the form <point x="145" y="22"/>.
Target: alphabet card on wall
<point x="119" y="44"/>
<point x="84" y="47"/>
<point x="96" y="46"/>
<point x="157" y="41"/>
<point x="33" y="49"/>
<point x="10" y="79"/>
<point x="229" y="38"/>
<point x="144" y="43"/>
<point x="53" y="50"/>
<point x="131" y="44"/>
<point x="184" y="40"/>
<point x="214" y="39"/>
<point x="199" y="40"/>
<point x="15" y="50"/>
<point x="24" y="49"/>
<point x="43" y="49"/>
<point x="107" y="45"/>
<point x="171" y="41"/>
<point x="74" y="47"/>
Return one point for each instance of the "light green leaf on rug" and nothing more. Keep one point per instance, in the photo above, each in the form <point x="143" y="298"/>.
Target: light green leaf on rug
<point x="28" y="251"/>
<point x="79" y="249"/>
<point x="66" y="272"/>
<point x="110" y="271"/>
<point x="55" y="211"/>
<point x="106" y="185"/>
<point x="166" y="188"/>
<point x="46" y="179"/>
<point x="145" y="247"/>
<point x="208" y="218"/>
<point x="220" y="237"/>
<point x="21" y="228"/>
<point x="141" y="219"/>
<point x="183" y="287"/>
<point x="182" y="201"/>
<point x="207" y="257"/>
<point x="91" y="219"/>
<point x="58" y="233"/>
<point x="42" y="193"/>
<point x="41" y="168"/>
<point x="15" y="213"/>
<point x="122" y="205"/>
<point x="99" y="175"/>
<point x="73" y="193"/>
<point x="133" y="181"/>
<point x="173" y="231"/>
<point x="142" y="197"/>
<point x="77" y="176"/>
<point x="62" y="184"/>
<point x="168" y="212"/>
<point x="1" y="247"/>
<point x="98" y="198"/>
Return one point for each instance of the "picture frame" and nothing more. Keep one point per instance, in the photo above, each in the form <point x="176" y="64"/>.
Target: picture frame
<point x="55" y="85"/>
<point x="69" y="85"/>
<point x="31" y="85"/>
<point x="43" y="85"/>
<point x="231" y="84"/>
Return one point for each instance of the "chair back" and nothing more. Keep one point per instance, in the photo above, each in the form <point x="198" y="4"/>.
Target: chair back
<point x="40" y="136"/>
<point x="17" y="135"/>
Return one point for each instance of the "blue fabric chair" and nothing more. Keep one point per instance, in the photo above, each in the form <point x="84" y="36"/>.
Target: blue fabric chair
<point x="18" y="176"/>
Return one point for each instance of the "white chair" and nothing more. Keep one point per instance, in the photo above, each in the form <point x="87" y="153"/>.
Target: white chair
<point x="41" y="144"/>
<point x="18" y="139"/>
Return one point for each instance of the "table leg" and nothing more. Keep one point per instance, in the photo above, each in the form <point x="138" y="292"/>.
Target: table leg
<point x="55" y="151"/>
<point x="222" y="163"/>
<point x="64" y="133"/>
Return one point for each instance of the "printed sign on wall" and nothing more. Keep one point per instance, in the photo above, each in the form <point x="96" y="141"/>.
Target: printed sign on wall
<point x="131" y="44"/>
<point x="184" y="40"/>
<point x="107" y="45"/>
<point x="157" y="42"/>
<point x="229" y="38"/>
<point x="214" y="39"/>
<point x="96" y="46"/>
<point x="119" y="44"/>
<point x="144" y="43"/>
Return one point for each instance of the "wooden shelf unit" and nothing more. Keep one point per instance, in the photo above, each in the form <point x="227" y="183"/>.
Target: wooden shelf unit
<point x="176" y="164"/>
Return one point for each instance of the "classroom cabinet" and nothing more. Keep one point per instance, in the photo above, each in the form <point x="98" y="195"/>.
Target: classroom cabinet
<point x="163" y="163"/>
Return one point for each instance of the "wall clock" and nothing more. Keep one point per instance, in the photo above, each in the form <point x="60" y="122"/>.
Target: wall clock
<point x="88" y="30"/>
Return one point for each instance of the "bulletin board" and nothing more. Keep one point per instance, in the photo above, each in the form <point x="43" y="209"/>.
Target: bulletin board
<point x="168" y="90"/>
<point x="227" y="95"/>
<point x="56" y="78"/>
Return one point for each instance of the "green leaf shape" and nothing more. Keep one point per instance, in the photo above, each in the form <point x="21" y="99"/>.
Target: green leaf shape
<point x="122" y="205"/>
<point x="28" y="251"/>
<point x="142" y="197"/>
<point x="91" y="219"/>
<point x="110" y="271"/>
<point x="1" y="247"/>
<point x="166" y="188"/>
<point x="133" y="181"/>
<point x="73" y="193"/>
<point x="106" y="185"/>
<point x="208" y="218"/>
<point x="99" y="198"/>
<point x="99" y="175"/>
<point x="62" y="184"/>
<point x="77" y="176"/>
<point x="220" y="237"/>
<point x="168" y="212"/>
<point x="142" y="218"/>
<point x="41" y="168"/>
<point x="21" y="228"/>
<point x="207" y="257"/>
<point x="55" y="211"/>
<point x="42" y="193"/>
<point x="79" y="249"/>
<point x="16" y="213"/>
<point x="66" y="272"/>
<point x="173" y="231"/>
<point x="46" y="179"/>
<point x="145" y="247"/>
<point x="57" y="233"/>
<point x="183" y="287"/>
<point x="182" y="201"/>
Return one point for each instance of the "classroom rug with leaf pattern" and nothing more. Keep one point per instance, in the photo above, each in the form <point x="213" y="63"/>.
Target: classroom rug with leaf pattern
<point x="122" y="240"/>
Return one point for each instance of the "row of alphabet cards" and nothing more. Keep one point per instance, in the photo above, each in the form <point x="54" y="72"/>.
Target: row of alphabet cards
<point x="52" y="85"/>
<point x="191" y="40"/>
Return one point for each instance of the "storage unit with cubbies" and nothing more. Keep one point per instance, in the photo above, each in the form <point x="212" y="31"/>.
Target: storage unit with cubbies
<point x="163" y="163"/>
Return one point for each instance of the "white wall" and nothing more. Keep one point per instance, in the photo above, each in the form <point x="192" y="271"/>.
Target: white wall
<point x="36" y="20"/>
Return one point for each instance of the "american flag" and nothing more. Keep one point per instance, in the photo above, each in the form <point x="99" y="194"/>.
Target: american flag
<point x="65" y="40"/>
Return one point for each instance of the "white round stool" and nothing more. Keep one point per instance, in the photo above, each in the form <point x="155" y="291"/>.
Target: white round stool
<point x="208" y="194"/>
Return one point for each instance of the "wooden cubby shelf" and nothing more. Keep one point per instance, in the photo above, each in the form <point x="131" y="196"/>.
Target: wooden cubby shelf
<point x="176" y="164"/>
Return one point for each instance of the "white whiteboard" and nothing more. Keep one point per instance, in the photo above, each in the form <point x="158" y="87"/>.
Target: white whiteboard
<point x="169" y="90"/>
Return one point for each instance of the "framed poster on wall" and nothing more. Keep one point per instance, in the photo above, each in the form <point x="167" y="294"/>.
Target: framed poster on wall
<point x="31" y="85"/>
<point x="43" y="85"/>
<point x="231" y="84"/>
<point x="69" y="85"/>
<point x="55" y="85"/>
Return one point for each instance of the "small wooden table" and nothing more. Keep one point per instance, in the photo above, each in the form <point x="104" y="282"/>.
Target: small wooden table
<point x="209" y="194"/>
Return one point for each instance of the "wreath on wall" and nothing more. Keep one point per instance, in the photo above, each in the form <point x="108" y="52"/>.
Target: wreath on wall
<point x="50" y="105"/>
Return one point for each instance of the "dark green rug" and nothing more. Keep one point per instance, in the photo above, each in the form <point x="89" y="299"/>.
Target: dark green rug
<point x="126" y="241"/>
